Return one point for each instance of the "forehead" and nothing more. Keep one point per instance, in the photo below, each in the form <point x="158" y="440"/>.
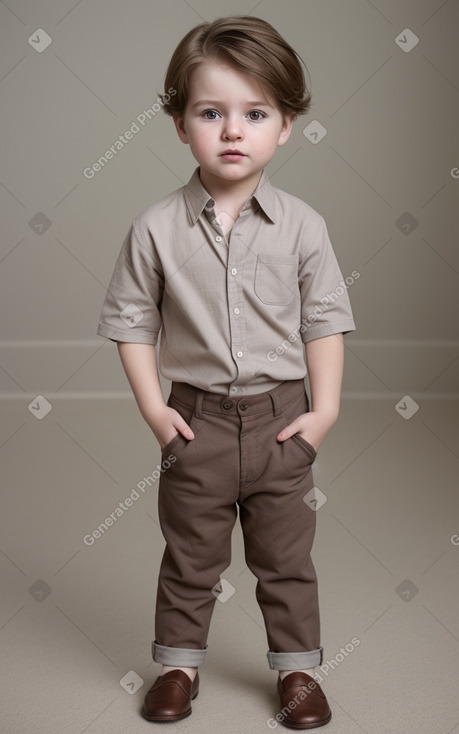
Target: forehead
<point x="217" y="78"/>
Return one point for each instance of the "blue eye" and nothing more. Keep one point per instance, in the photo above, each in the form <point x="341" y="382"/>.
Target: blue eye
<point x="210" y="112"/>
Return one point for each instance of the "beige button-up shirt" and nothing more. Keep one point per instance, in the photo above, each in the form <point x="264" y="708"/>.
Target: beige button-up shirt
<point x="234" y="313"/>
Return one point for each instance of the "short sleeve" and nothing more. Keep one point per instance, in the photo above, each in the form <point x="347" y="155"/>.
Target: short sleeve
<point x="325" y="305"/>
<point x="131" y="311"/>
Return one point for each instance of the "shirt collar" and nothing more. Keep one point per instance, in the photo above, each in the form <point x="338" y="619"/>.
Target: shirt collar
<point x="196" y="196"/>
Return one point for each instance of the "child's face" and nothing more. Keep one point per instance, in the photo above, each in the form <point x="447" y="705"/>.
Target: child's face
<point x="229" y="110"/>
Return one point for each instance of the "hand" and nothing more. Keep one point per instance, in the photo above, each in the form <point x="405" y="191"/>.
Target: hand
<point x="312" y="426"/>
<point x="167" y="423"/>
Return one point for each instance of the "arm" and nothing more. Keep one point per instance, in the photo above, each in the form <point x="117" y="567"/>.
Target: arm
<point x="325" y="360"/>
<point x="139" y="363"/>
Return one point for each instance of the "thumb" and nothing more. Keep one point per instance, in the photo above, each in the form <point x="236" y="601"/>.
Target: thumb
<point x="183" y="428"/>
<point x="287" y="432"/>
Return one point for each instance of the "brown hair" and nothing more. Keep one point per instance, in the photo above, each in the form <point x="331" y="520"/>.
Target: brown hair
<point x="250" y="45"/>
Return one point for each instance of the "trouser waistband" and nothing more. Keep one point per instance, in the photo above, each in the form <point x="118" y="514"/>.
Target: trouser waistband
<point x="270" y="401"/>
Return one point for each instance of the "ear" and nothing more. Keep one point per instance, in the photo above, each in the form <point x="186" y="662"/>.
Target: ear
<point x="286" y="128"/>
<point x="179" y="126"/>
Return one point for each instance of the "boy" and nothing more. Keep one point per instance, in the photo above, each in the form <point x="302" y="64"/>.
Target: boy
<point x="239" y="275"/>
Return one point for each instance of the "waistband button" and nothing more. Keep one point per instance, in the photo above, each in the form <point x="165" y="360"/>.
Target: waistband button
<point x="227" y="404"/>
<point x="243" y="405"/>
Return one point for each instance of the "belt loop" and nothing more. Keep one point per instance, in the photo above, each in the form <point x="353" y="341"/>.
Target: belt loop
<point x="198" y="403"/>
<point x="275" y="399"/>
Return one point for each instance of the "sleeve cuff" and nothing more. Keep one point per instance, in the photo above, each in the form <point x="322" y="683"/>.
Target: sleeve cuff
<point x="127" y="335"/>
<point x="320" y="330"/>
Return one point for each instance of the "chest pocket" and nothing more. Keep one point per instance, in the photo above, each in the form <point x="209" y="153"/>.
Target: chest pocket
<point x="276" y="279"/>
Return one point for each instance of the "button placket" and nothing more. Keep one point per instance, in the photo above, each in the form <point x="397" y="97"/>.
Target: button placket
<point x="216" y="234"/>
<point x="237" y="251"/>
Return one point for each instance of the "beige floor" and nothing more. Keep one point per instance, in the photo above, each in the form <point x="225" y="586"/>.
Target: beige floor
<point x="76" y="619"/>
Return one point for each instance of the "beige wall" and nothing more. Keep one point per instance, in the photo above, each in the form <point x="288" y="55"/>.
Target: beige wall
<point x="392" y="121"/>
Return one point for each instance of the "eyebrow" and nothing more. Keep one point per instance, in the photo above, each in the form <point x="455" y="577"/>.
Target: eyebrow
<point x="216" y="103"/>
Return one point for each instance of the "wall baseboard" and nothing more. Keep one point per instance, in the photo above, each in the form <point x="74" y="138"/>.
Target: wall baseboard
<point x="379" y="369"/>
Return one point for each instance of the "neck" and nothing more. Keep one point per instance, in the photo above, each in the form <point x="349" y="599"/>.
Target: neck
<point x="222" y="190"/>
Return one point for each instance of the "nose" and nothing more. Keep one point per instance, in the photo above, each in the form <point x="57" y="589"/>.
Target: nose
<point x="233" y="129"/>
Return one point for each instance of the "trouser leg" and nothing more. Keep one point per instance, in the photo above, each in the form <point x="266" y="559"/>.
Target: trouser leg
<point x="279" y="529"/>
<point x="197" y="512"/>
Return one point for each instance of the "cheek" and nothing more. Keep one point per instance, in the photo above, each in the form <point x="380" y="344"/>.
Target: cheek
<point x="198" y="145"/>
<point x="206" y="145"/>
<point x="199" y="137"/>
<point x="266" y="144"/>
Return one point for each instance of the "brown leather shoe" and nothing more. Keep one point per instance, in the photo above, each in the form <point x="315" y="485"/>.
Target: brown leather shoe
<point x="303" y="702"/>
<point x="169" y="698"/>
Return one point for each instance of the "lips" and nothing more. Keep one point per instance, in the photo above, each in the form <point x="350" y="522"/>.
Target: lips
<point x="231" y="151"/>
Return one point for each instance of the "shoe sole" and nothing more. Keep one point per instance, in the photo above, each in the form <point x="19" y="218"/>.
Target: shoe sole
<point x="176" y="717"/>
<point x="294" y="725"/>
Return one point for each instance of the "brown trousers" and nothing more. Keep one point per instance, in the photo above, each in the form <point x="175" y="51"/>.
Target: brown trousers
<point x="236" y="461"/>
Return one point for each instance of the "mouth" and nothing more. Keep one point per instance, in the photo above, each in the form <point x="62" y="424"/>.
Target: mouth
<point x="232" y="155"/>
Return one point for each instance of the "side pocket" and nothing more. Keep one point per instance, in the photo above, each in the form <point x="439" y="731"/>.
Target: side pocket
<point x="173" y="443"/>
<point x="186" y="412"/>
<point x="291" y="411"/>
<point x="308" y="448"/>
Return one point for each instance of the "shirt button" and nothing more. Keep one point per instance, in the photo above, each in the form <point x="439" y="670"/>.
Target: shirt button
<point x="234" y="389"/>
<point x="218" y="238"/>
<point x="236" y="311"/>
<point x="239" y="354"/>
<point x="233" y="271"/>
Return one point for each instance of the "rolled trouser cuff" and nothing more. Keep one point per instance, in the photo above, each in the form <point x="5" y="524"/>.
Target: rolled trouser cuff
<point x="182" y="657"/>
<point x="295" y="660"/>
